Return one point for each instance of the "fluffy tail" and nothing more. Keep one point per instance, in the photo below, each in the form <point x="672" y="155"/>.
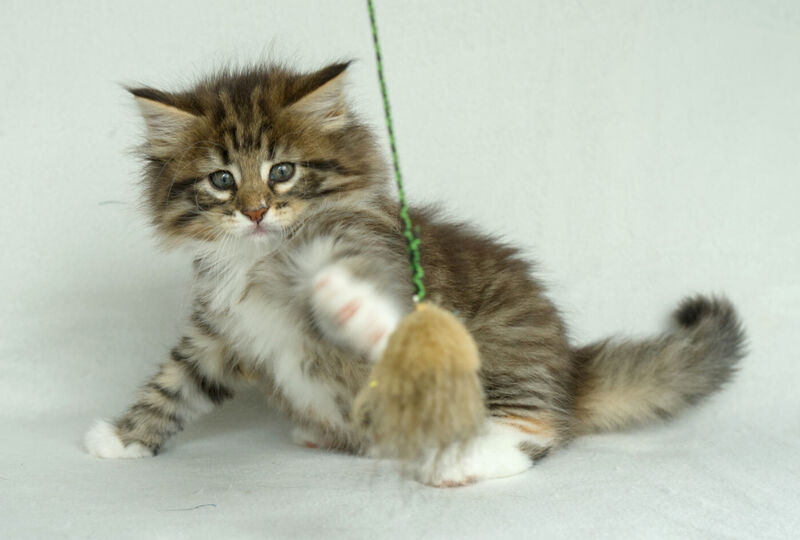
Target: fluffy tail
<point x="623" y="383"/>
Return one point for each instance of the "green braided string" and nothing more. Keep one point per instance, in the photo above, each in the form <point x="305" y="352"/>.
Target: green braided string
<point x="413" y="241"/>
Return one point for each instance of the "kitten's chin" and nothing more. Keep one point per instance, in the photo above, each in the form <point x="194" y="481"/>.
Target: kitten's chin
<point x="260" y="237"/>
<point x="259" y="234"/>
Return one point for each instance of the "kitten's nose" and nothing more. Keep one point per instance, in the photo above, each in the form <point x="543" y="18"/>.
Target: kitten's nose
<point x="256" y="215"/>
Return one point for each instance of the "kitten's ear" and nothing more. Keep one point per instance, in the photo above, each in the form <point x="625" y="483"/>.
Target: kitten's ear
<point x="321" y="95"/>
<point x="166" y="122"/>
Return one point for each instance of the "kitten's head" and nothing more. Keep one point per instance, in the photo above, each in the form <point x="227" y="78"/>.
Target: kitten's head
<point x="252" y="154"/>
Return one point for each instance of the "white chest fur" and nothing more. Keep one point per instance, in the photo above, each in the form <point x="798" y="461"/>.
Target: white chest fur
<point x="266" y="333"/>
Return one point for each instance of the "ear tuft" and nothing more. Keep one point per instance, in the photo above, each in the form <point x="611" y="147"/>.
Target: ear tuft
<point x="321" y="95"/>
<point x="166" y="123"/>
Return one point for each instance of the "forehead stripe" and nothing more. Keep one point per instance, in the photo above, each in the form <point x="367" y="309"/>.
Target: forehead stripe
<point x="331" y="165"/>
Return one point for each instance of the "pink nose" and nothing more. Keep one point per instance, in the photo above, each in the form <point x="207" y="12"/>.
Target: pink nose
<point x="255" y="215"/>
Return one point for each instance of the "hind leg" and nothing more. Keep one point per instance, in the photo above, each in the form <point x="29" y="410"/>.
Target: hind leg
<point x="508" y="446"/>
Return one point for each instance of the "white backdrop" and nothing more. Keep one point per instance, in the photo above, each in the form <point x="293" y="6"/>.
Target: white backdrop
<point x="638" y="150"/>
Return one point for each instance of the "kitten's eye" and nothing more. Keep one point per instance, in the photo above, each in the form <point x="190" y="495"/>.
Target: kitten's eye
<point x="281" y="172"/>
<point x="222" y="179"/>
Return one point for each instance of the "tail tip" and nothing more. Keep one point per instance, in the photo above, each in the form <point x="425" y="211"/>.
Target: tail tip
<point x="713" y="320"/>
<point x="694" y="309"/>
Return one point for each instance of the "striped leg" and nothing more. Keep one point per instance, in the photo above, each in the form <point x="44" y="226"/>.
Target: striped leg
<point x="190" y="383"/>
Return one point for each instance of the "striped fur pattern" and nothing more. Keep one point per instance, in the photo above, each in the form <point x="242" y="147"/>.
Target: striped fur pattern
<point x="299" y="279"/>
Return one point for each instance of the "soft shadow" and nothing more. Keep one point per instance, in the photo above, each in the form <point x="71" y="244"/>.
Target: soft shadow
<point x="248" y="411"/>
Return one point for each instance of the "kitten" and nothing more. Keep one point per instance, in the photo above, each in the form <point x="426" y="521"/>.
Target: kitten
<point x="301" y="274"/>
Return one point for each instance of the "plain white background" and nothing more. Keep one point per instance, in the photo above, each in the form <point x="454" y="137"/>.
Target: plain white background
<point x="639" y="151"/>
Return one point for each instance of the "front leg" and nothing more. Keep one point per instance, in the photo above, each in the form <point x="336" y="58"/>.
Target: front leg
<point x="190" y="383"/>
<point x="352" y="311"/>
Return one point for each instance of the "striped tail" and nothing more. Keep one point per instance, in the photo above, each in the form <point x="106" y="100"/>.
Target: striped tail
<point x="625" y="382"/>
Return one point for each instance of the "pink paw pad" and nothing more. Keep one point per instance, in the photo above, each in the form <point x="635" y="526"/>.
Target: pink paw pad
<point x="469" y="480"/>
<point x="346" y="313"/>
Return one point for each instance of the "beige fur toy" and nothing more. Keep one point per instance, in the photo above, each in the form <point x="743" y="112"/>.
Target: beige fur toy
<point x="424" y="394"/>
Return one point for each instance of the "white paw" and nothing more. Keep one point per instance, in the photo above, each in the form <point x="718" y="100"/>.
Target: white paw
<point x="306" y="437"/>
<point x="352" y="312"/>
<point x="102" y="441"/>
<point x="444" y="469"/>
<point x="494" y="454"/>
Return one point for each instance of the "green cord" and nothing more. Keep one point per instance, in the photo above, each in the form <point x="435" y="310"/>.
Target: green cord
<point x="413" y="240"/>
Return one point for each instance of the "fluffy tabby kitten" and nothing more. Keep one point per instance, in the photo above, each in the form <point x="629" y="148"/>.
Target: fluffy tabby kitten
<point x="301" y="274"/>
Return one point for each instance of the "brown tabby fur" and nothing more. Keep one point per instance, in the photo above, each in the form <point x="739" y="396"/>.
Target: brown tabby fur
<point x="531" y="376"/>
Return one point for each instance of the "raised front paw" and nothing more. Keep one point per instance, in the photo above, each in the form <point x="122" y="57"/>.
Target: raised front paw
<point x="352" y="312"/>
<point x="102" y="441"/>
